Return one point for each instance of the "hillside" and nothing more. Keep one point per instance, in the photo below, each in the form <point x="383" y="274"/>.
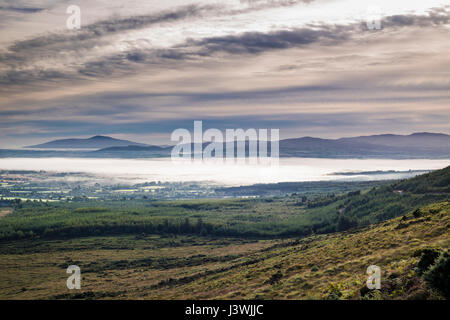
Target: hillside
<point x="385" y="202"/>
<point x="331" y="266"/>
<point x="319" y="266"/>
<point x="192" y="267"/>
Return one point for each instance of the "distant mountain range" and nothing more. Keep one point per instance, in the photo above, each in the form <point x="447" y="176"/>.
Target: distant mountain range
<point x="423" y="139"/>
<point x="416" y="145"/>
<point x="96" y="142"/>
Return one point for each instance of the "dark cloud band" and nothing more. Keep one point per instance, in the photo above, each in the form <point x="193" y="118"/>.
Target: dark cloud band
<point x="249" y="43"/>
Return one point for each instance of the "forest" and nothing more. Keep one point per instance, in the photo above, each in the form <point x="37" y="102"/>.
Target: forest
<point x="293" y="215"/>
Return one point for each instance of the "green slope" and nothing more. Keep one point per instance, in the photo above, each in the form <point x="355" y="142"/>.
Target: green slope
<point x="333" y="266"/>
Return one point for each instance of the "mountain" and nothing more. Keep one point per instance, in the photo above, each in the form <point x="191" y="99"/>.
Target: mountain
<point x="390" y="146"/>
<point x="96" y="142"/>
<point x="422" y="140"/>
<point x="429" y="145"/>
<point x="416" y="145"/>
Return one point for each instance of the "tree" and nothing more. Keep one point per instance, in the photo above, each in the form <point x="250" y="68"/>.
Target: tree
<point x="427" y="259"/>
<point x="437" y="277"/>
<point x="199" y="226"/>
<point x="186" y="226"/>
<point x="345" y="223"/>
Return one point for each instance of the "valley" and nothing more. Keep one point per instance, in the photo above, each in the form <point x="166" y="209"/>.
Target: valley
<point x="285" y="247"/>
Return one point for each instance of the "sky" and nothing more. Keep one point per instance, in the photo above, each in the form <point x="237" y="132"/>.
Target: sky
<point x="140" y="69"/>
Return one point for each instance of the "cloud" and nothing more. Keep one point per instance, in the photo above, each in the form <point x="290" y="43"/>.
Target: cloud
<point x="116" y="25"/>
<point x="110" y="26"/>
<point x="21" y="9"/>
<point x="26" y="58"/>
<point x="257" y="5"/>
<point x="150" y="73"/>
<point x="435" y="17"/>
<point x="257" y="42"/>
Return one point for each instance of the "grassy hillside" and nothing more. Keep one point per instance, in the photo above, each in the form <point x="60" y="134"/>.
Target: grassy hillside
<point x="329" y="266"/>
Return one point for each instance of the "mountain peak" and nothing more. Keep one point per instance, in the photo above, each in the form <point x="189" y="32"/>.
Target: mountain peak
<point x="428" y="134"/>
<point x="98" y="137"/>
<point x="95" y="142"/>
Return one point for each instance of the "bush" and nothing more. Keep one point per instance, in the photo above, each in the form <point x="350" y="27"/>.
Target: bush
<point x="438" y="276"/>
<point x="372" y="295"/>
<point x="275" y="278"/>
<point x="417" y="213"/>
<point x="334" y="291"/>
<point x="427" y="259"/>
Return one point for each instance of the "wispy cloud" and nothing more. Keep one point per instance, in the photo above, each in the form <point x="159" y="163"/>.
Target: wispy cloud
<point x="34" y="52"/>
<point x="21" y="9"/>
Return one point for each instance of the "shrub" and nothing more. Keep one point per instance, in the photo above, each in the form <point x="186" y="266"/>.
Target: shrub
<point x="276" y="277"/>
<point x="438" y="276"/>
<point x="417" y="213"/>
<point x="334" y="291"/>
<point x="427" y="259"/>
<point x="372" y="295"/>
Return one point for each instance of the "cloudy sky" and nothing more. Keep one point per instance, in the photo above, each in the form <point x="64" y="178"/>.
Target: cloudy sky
<point x="140" y="69"/>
